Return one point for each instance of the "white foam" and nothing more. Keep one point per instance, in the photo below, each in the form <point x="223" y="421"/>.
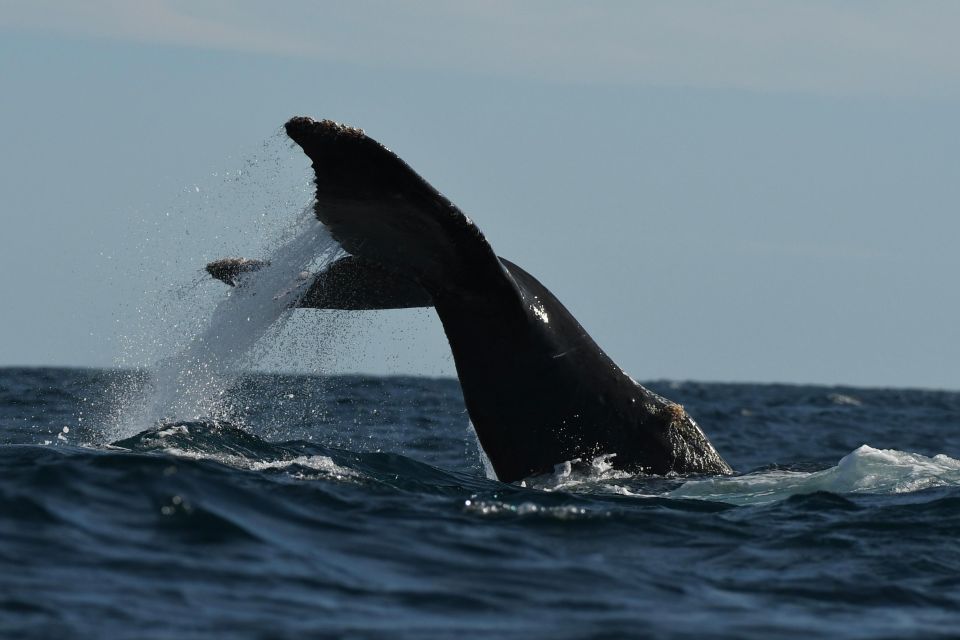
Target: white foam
<point x="488" y="469"/>
<point x="595" y="475"/>
<point x="843" y="399"/>
<point x="173" y="431"/>
<point x="324" y="466"/>
<point x="865" y="470"/>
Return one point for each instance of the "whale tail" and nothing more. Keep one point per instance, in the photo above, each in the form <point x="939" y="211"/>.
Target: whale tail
<point x="382" y="212"/>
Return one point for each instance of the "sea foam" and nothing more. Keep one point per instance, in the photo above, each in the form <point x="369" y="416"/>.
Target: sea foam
<point x="864" y="470"/>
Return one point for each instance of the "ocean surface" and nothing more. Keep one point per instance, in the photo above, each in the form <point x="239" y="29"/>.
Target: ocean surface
<point x="360" y="507"/>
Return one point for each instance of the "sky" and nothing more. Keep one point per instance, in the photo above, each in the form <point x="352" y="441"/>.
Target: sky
<point x="743" y="191"/>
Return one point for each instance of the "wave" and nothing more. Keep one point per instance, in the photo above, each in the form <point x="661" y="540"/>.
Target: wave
<point x="865" y="470"/>
<point x="230" y="445"/>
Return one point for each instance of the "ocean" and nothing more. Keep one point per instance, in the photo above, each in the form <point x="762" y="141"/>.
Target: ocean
<point x="360" y="507"/>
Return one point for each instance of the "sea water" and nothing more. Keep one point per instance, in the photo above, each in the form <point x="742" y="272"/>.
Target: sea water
<point x="359" y="507"/>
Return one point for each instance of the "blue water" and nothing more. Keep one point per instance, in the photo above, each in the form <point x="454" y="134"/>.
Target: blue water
<point x="359" y="507"/>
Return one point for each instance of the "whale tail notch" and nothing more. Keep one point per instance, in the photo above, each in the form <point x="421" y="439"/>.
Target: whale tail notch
<point x="380" y="210"/>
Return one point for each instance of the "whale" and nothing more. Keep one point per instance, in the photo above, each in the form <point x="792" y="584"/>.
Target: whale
<point x="538" y="389"/>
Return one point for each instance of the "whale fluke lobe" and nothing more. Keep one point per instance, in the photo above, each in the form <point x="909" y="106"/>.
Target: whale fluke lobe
<point x="538" y="389"/>
<point x="378" y="208"/>
<point x="357" y="284"/>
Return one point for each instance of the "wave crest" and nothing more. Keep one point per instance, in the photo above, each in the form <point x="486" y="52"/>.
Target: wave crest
<point x="864" y="470"/>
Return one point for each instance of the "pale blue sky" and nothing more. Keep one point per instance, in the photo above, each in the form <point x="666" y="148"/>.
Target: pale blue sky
<point x="755" y="191"/>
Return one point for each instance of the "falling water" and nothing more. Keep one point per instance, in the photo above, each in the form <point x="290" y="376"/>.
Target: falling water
<point x="192" y="384"/>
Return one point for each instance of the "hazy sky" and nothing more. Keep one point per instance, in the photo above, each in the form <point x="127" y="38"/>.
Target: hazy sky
<point x="736" y="191"/>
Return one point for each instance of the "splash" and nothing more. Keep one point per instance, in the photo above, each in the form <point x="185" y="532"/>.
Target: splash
<point x="864" y="470"/>
<point x="193" y="383"/>
<point x="488" y="469"/>
<point x="597" y="475"/>
<point x="304" y="467"/>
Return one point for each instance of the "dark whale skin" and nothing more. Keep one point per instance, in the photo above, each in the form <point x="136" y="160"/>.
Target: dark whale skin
<point x="540" y="391"/>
